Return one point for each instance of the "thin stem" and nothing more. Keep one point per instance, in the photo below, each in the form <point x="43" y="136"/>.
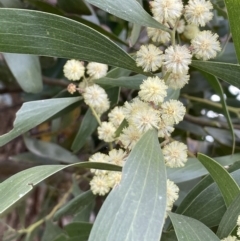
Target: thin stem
<point x="32" y="227"/>
<point x="178" y="38"/>
<point x="166" y="76"/>
<point x="191" y="154"/>
<point x="173" y="38"/>
<point x="225" y="45"/>
<point x="164" y="143"/>
<point x="55" y="82"/>
<point x="173" y="34"/>
<point x="207" y="122"/>
<point x="110" y="145"/>
<point x="95" y="115"/>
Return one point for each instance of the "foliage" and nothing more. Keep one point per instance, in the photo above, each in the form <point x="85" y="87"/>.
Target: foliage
<point x="66" y="132"/>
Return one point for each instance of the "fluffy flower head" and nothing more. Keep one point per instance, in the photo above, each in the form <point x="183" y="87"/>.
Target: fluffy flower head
<point x="238" y="232"/>
<point x="177" y="80"/>
<point x="144" y="119"/>
<point x="164" y="129"/>
<point x="129" y="137"/>
<point x="96" y="97"/>
<point x="158" y="35"/>
<point x="106" y="132"/>
<point x="116" y="116"/>
<point x="177" y="59"/>
<point x="117" y="157"/>
<point x="100" y="185"/>
<point x="205" y="45"/>
<point x="96" y="70"/>
<point x="172" y="192"/>
<point x="149" y="57"/>
<point x="198" y="12"/>
<point x="172" y="195"/>
<point x="238" y="221"/>
<point x="73" y="69"/>
<point x="175" y="154"/>
<point x="130" y="107"/>
<point x="114" y="178"/>
<point x="166" y="10"/>
<point x="191" y="31"/>
<point x="153" y="89"/>
<point x="180" y="26"/>
<point x="172" y="111"/>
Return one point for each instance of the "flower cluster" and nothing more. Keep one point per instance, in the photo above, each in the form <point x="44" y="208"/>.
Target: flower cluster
<point x="149" y="110"/>
<point x="103" y="180"/>
<point x="176" y="59"/>
<point x="152" y="108"/>
<point x="94" y="95"/>
<point x="74" y="70"/>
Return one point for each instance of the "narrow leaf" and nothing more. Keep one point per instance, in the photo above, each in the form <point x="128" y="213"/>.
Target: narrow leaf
<point x="33" y="32"/>
<point x="11" y="3"/>
<point x="218" y="89"/>
<point x="201" y="186"/>
<point x="190" y="229"/>
<point x="32" y="158"/>
<point x="118" y="72"/>
<point x="34" y="113"/>
<point x="74" y="6"/>
<point x="223" y="136"/>
<point x="84" y="214"/>
<point x="130" y="82"/>
<point x="87" y="127"/>
<point x="45" y="7"/>
<point x="75" y="205"/>
<point x="51" y="231"/>
<point x="143" y="177"/>
<point x="50" y="150"/>
<point x="136" y="29"/>
<point x="49" y="8"/>
<point x="194" y="169"/>
<point x="61" y="237"/>
<point x="169" y="236"/>
<point x="19" y="185"/>
<point x="121" y="127"/>
<point x="191" y="128"/>
<point x="229" y="220"/>
<point x="227" y="72"/>
<point x="26" y="70"/>
<point x="233" y="14"/>
<point x="172" y="94"/>
<point x="79" y="229"/>
<point x="225" y="182"/>
<point x="205" y="202"/>
<point x="130" y="10"/>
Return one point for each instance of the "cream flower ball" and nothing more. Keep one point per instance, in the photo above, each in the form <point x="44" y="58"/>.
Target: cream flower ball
<point x="73" y="69"/>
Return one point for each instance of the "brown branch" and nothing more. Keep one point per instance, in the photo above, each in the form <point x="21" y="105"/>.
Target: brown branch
<point x="10" y="90"/>
<point x="55" y="82"/>
<point x="206" y="122"/>
<point x="46" y="80"/>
